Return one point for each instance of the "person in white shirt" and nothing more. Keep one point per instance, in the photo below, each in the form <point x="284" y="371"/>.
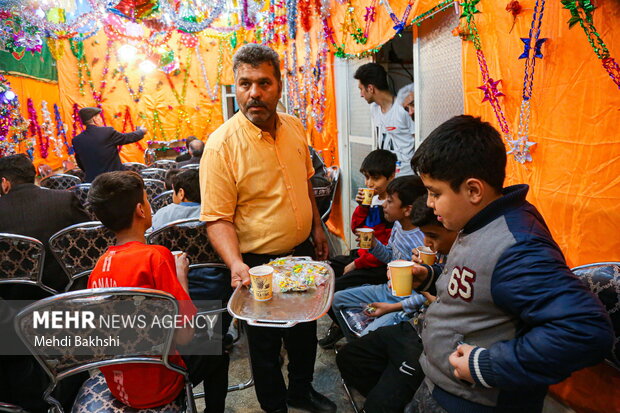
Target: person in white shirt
<point x="393" y="128"/>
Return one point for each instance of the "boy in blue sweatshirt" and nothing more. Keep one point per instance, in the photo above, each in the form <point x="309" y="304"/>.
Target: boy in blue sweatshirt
<point x="510" y="318"/>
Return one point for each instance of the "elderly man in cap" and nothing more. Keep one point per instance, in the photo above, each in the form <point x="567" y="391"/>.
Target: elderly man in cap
<point x="96" y="149"/>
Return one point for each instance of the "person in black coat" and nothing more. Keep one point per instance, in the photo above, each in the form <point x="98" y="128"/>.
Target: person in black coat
<point x="96" y="149"/>
<point x="26" y="209"/>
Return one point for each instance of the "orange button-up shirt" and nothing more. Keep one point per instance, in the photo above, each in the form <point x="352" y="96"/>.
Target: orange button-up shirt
<point x="258" y="183"/>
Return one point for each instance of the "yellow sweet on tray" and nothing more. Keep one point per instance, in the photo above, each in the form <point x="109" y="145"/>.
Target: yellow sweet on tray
<point x="291" y="274"/>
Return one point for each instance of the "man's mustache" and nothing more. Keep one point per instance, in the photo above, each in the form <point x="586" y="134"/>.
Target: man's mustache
<point x="256" y="103"/>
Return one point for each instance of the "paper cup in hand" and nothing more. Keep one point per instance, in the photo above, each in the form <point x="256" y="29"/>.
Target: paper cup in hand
<point x="427" y="255"/>
<point x="366" y="235"/>
<point x="402" y="277"/>
<point x="368" y="194"/>
<point x="262" y="280"/>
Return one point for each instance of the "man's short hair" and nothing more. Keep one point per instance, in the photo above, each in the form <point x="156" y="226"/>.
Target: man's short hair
<point x="189" y="139"/>
<point x="379" y="162"/>
<point x="170" y="173"/>
<point x="422" y="215"/>
<point x="189" y="181"/>
<point x="254" y="55"/>
<point x="372" y="74"/>
<point x="461" y="148"/>
<point x="17" y="169"/>
<point x="409" y="188"/>
<point x="113" y="197"/>
<point x="196" y="147"/>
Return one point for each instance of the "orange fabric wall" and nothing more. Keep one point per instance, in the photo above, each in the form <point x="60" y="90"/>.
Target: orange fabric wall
<point x="39" y="91"/>
<point x="205" y="115"/>
<point x="575" y="175"/>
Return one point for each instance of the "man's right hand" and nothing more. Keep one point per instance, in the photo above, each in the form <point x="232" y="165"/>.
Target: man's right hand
<point x="239" y="274"/>
<point x="142" y="129"/>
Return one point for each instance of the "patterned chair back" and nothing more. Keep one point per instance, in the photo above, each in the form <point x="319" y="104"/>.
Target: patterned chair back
<point x="78" y="247"/>
<point x="11" y="408"/>
<point x="60" y="181"/>
<point x="21" y="261"/>
<point x="150" y="343"/>
<point x="191" y="166"/>
<point x="603" y="279"/>
<point x="161" y="200"/>
<point x="134" y="166"/>
<point x="334" y="176"/>
<point x="81" y="191"/>
<point x="76" y="172"/>
<point x="189" y="236"/>
<point x="164" y="164"/>
<point x="153" y="188"/>
<point x="154" y="173"/>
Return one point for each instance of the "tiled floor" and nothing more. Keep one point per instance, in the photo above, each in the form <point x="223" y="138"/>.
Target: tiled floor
<point x="326" y="379"/>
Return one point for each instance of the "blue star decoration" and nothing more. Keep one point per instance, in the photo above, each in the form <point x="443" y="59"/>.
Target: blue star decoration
<point x="490" y="89"/>
<point x="527" y="47"/>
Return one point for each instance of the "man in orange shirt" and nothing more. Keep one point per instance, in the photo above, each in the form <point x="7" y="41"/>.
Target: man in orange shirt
<point x="258" y="203"/>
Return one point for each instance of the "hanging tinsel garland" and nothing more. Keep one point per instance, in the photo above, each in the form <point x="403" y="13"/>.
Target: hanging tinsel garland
<point x="47" y="130"/>
<point x="61" y="130"/>
<point x="489" y="86"/>
<point x="35" y="130"/>
<point x="77" y="121"/>
<point x="183" y="116"/>
<point x="520" y="146"/>
<point x="581" y="12"/>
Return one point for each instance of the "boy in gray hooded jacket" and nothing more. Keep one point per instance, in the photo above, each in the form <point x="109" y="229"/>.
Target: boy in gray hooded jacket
<point x="510" y="318"/>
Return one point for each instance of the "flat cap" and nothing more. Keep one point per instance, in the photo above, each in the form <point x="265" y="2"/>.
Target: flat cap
<point x="87" y="114"/>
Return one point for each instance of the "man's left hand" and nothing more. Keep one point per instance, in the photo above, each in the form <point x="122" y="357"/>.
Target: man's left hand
<point x="460" y="361"/>
<point x="319" y="240"/>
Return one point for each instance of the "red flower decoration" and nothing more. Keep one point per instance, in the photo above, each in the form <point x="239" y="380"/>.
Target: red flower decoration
<point x="514" y="7"/>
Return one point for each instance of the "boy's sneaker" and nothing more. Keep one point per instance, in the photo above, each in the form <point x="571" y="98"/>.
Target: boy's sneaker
<point x="334" y="334"/>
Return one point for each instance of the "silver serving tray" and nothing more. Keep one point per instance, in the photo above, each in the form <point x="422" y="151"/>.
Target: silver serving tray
<point x="284" y="310"/>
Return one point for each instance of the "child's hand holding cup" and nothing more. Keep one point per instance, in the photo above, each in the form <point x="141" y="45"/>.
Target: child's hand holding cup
<point x="368" y="193"/>
<point x="365" y="236"/>
<point x="424" y="255"/>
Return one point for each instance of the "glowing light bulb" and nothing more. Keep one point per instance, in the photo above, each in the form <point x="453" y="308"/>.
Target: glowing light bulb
<point x="127" y="53"/>
<point x="9" y="95"/>
<point x="147" y="67"/>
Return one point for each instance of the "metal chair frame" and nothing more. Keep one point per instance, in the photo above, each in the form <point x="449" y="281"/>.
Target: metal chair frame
<point x="191" y="166"/>
<point x="54" y="179"/>
<point x="610" y="362"/>
<point x="134" y="166"/>
<point x="155" y="203"/>
<point x="82" y="297"/>
<point x="59" y="253"/>
<point x="152" y="238"/>
<point x="154" y="185"/>
<point x="164" y="164"/>
<point x="334" y="173"/>
<point x="11" y="408"/>
<point x="40" y="251"/>
<point x="154" y="173"/>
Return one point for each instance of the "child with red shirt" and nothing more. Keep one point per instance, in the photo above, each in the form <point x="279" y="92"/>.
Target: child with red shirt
<point x="120" y="202"/>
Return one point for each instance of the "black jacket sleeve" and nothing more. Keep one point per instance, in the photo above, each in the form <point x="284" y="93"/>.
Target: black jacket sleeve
<point x="124" y="138"/>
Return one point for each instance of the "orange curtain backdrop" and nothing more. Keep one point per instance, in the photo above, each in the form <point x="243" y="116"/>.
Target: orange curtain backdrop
<point x="575" y="175"/>
<point x="204" y="115"/>
<point x="39" y="91"/>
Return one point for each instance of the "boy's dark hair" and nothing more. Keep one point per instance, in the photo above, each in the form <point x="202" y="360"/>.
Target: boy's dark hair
<point x="409" y="188"/>
<point x="379" y="162"/>
<point x="372" y="74"/>
<point x="169" y="175"/>
<point x="114" y="196"/>
<point x="17" y="169"/>
<point x="422" y="215"/>
<point x="190" y="182"/>
<point x="460" y="148"/>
